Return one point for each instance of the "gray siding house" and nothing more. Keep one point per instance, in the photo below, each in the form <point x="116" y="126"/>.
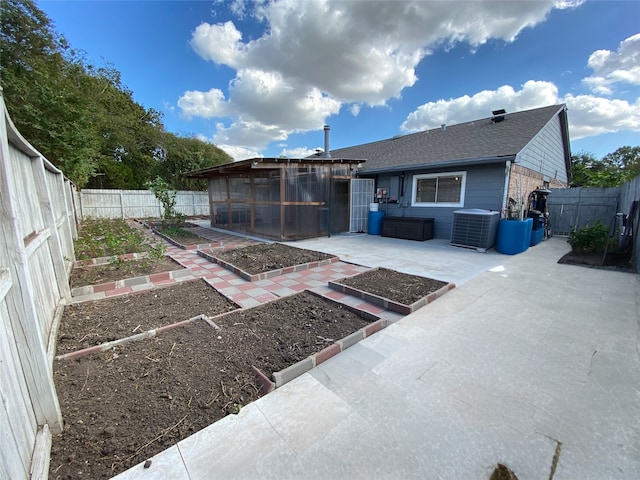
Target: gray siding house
<point x="479" y="164"/>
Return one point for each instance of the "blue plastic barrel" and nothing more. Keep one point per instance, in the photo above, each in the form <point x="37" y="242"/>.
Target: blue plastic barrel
<point x="375" y="223"/>
<point x="537" y="236"/>
<point x="514" y="236"/>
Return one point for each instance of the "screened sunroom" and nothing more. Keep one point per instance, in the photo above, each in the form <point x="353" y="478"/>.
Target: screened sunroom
<point x="281" y="198"/>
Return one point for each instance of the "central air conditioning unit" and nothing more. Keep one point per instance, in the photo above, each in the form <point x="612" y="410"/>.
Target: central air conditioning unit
<point x="475" y="228"/>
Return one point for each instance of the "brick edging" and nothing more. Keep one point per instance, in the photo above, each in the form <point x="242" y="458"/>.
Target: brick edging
<point x="271" y="273"/>
<point x="186" y="247"/>
<point x="129" y="282"/>
<point x="387" y="303"/>
<point x="121" y="341"/>
<point x="303" y="366"/>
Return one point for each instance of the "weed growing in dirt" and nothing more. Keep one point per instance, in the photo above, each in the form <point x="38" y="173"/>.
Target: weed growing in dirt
<point x="178" y="232"/>
<point x="104" y="237"/>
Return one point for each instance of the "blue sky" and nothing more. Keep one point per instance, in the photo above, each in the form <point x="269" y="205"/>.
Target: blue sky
<point x="261" y="78"/>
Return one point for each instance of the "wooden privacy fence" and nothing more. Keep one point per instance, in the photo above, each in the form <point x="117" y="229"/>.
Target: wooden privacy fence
<point x="581" y="207"/>
<point x="138" y="203"/>
<point x="37" y="227"/>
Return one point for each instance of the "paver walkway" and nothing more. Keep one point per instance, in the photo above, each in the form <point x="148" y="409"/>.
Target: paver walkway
<point x="244" y="293"/>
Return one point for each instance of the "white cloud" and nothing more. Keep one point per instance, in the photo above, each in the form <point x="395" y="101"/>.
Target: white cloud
<point x="588" y="115"/>
<point x="203" y="104"/>
<point x="248" y="134"/>
<point x="462" y="109"/>
<point x="610" y="67"/>
<point x="301" y="152"/>
<point x="239" y="153"/>
<point x="315" y="56"/>
<point x="220" y="43"/>
<point x="300" y="106"/>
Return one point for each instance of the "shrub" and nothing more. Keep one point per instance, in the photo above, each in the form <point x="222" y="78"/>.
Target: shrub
<point x="589" y="239"/>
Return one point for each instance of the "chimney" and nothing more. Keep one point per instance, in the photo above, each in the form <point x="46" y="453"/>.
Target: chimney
<point x="326" y="142"/>
<point x="443" y="127"/>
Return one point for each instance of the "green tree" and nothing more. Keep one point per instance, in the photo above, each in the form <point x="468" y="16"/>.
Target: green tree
<point x="81" y="117"/>
<point x="41" y="82"/>
<point x="612" y="170"/>
<point x="180" y="155"/>
<point x="627" y="160"/>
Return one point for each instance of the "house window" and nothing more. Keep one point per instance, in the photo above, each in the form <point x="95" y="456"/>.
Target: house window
<point x="439" y="190"/>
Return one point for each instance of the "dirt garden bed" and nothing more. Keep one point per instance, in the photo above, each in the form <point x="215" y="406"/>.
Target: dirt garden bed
<point x="119" y="270"/>
<point x="396" y="291"/>
<point x="124" y="405"/>
<point x="254" y="261"/>
<point x="612" y="261"/>
<point x="87" y="324"/>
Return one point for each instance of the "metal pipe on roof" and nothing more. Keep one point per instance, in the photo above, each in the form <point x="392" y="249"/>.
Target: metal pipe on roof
<point x="326" y="153"/>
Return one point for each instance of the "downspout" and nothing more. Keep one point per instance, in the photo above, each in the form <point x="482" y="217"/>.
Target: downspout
<point x="505" y="197"/>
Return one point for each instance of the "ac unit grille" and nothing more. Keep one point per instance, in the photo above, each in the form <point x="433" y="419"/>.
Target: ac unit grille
<point x="477" y="229"/>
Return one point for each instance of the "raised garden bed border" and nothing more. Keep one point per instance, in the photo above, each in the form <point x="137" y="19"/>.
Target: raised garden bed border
<point x="182" y="274"/>
<point x="197" y="246"/>
<point x="279" y="378"/>
<point x="270" y="274"/>
<point x="387" y="303"/>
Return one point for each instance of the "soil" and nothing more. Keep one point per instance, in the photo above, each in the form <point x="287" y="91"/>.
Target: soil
<point x="92" y="323"/>
<point x="186" y="240"/>
<point x="95" y="274"/>
<point x="122" y="406"/>
<point x="265" y="257"/>
<point x="613" y="261"/>
<point x="399" y="287"/>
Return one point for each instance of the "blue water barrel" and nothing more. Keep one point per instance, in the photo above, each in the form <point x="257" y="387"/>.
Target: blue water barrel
<point x="375" y="223"/>
<point x="536" y="236"/>
<point x="514" y="236"/>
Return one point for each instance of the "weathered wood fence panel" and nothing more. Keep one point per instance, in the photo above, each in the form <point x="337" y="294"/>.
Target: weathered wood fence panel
<point x="629" y="193"/>
<point x="37" y="226"/>
<point x="580" y="207"/>
<point x="138" y="203"/>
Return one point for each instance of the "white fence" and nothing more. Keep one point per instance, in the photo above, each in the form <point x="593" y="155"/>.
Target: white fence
<point x="37" y="226"/>
<point x="138" y="203"/>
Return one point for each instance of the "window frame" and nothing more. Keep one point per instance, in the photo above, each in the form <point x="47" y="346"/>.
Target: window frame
<point x="463" y="187"/>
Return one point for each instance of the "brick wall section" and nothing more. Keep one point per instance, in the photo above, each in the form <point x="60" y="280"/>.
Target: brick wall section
<point x="528" y="180"/>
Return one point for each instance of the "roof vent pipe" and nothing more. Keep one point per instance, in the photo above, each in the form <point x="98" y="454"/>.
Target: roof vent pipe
<point x="326" y="141"/>
<point x="443" y="127"/>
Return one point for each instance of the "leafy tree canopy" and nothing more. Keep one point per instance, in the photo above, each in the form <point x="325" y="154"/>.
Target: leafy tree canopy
<point x="81" y="117"/>
<point x="612" y="170"/>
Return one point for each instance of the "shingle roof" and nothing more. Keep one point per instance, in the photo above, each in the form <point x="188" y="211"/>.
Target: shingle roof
<point x="471" y="141"/>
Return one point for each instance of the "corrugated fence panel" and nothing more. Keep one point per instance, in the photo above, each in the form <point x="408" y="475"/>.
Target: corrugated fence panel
<point x="139" y="203"/>
<point x="580" y="207"/>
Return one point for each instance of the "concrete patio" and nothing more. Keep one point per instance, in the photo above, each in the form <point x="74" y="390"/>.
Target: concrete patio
<point x="527" y="362"/>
